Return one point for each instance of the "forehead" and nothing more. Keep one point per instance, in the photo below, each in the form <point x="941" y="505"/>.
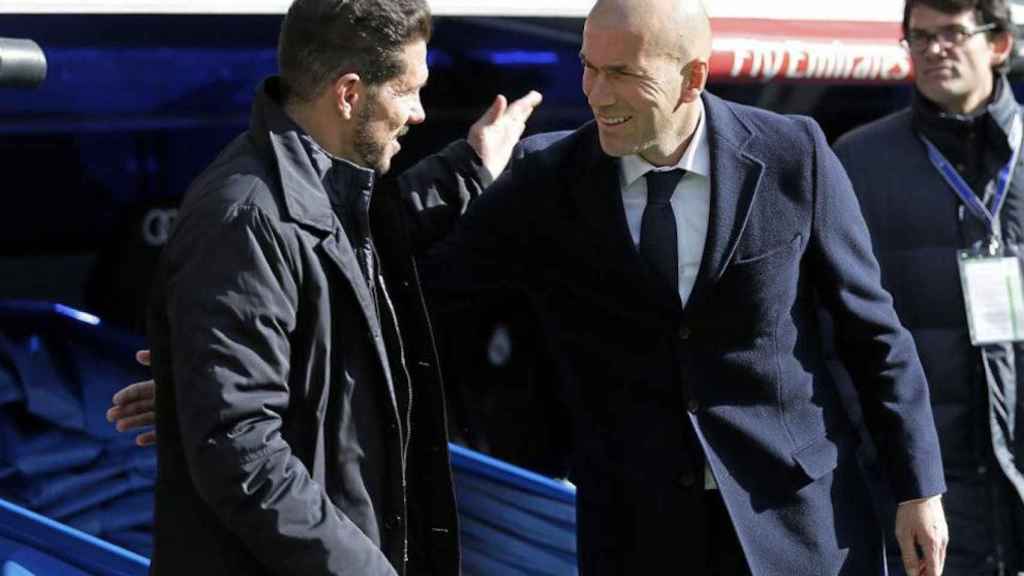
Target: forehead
<point x="609" y="46"/>
<point x="926" y="18"/>
<point x="414" y="58"/>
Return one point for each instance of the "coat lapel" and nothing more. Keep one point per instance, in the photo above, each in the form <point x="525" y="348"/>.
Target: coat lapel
<point x="735" y="176"/>
<point x="598" y="194"/>
<point x="307" y="203"/>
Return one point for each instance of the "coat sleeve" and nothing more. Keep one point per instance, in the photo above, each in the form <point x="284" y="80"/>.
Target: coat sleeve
<point x="494" y="244"/>
<point x="437" y="190"/>
<point x="875" y="348"/>
<point x="231" y="306"/>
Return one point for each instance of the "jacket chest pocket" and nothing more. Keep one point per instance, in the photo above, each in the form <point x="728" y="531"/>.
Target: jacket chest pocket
<point x="753" y="290"/>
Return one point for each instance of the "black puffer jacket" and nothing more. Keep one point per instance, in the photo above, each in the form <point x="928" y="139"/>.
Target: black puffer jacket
<point x="917" y="225"/>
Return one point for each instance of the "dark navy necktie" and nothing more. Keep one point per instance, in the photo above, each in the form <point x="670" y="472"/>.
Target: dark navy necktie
<point x="658" y="241"/>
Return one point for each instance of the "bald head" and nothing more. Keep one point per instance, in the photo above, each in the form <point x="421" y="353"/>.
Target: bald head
<point x="679" y="28"/>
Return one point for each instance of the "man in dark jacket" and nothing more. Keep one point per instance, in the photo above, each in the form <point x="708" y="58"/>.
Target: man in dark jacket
<point x="706" y="436"/>
<point x="678" y="247"/>
<point x="300" y="411"/>
<point x="964" y="111"/>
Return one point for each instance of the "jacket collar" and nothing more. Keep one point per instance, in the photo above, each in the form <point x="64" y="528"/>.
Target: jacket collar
<point x="307" y="202"/>
<point x="735" y="175"/>
<point x="947" y="130"/>
<point x="305" y="199"/>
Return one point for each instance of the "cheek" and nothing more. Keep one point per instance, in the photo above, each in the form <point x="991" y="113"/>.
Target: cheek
<point x="653" y="97"/>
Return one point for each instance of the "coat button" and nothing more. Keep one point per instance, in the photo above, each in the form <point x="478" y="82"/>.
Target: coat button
<point x="684" y="332"/>
<point x="693" y="406"/>
<point x="982" y="470"/>
<point x="687" y="479"/>
<point x="393" y="523"/>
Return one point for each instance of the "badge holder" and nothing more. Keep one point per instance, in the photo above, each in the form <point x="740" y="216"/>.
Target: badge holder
<point x="993" y="294"/>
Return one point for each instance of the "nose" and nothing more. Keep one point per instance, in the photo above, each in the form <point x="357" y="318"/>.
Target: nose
<point x="935" y="47"/>
<point x="598" y="92"/>
<point x="417" y="115"/>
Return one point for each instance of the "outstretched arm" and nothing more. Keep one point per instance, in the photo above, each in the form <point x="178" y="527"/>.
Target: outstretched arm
<point x="437" y="190"/>
<point x="435" y="182"/>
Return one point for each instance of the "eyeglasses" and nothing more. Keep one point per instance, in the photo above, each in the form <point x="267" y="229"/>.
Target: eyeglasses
<point x="947" y="37"/>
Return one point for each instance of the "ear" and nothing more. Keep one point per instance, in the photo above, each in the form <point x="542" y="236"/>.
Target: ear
<point x="694" y="77"/>
<point x="1002" y="46"/>
<point x="346" y="92"/>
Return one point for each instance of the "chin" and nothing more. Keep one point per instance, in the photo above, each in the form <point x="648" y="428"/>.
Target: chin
<point x="382" y="163"/>
<point x="613" y="149"/>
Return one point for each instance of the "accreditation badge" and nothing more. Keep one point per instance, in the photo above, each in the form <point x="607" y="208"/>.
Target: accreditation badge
<point x="993" y="297"/>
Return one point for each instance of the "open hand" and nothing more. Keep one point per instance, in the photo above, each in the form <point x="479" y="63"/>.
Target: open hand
<point x="134" y="406"/>
<point x="496" y="133"/>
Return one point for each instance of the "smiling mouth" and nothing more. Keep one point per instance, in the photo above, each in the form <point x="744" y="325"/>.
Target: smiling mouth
<point x="612" y="121"/>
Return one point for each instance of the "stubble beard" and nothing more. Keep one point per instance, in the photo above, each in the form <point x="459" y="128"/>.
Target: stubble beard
<point x="372" y="153"/>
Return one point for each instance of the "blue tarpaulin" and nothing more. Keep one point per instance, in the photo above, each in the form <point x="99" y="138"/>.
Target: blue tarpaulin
<point x="59" y="457"/>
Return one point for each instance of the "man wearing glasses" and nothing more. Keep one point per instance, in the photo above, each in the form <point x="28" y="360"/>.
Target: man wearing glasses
<point x="944" y="200"/>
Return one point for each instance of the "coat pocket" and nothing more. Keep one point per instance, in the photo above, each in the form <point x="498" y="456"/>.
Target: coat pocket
<point x="817" y="458"/>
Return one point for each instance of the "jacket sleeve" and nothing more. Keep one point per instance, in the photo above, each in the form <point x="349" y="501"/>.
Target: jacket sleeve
<point x="437" y="190"/>
<point x="878" y="352"/>
<point x="232" y="305"/>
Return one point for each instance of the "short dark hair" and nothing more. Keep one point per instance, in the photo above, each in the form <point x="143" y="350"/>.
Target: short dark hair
<point x="323" y="39"/>
<point x="995" y="12"/>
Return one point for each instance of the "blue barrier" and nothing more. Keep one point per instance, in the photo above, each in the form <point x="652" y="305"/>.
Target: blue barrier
<point x="34" y="545"/>
<point x="59" y="368"/>
<point x="512" y="520"/>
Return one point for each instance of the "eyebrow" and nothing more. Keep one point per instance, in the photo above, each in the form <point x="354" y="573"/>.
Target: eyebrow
<point x="945" y="27"/>
<point x="618" y="68"/>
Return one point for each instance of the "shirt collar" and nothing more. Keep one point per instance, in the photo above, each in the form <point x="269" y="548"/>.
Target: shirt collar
<point x="695" y="159"/>
<point x="337" y="174"/>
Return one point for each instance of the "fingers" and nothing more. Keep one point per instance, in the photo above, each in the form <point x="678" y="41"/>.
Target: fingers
<point x="908" y="552"/>
<point x="934" y="548"/>
<point x="942" y="555"/>
<point x="523" y="107"/>
<point x="135" y="422"/>
<point x="137" y="392"/>
<point x="146" y="438"/>
<point x="142" y="357"/>
<point x="129" y="409"/>
<point x="131" y="401"/>
<point x="932" y="559"/>
<point x="497" y="110"/>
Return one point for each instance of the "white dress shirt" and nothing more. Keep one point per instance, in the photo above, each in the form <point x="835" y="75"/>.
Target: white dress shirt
<point x="691" y="202"/>
<point x="691" y="205"/>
